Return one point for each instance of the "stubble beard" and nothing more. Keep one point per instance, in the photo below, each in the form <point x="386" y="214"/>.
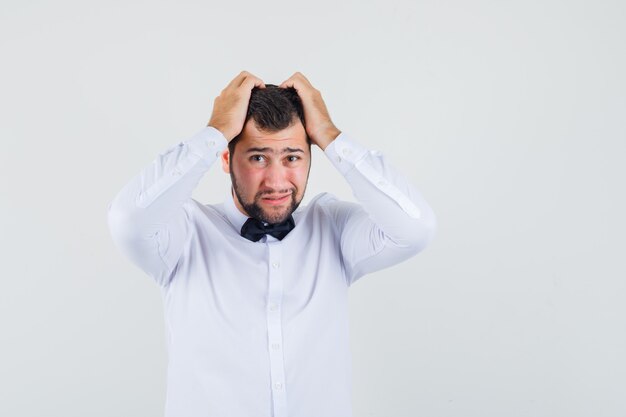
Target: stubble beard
<point x="255" y="210"/>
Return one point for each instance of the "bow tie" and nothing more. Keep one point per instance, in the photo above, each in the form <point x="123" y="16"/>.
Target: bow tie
<point x="254" y="229"/>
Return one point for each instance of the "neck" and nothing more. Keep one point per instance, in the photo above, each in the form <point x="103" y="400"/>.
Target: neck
<point x="237" y="203"/>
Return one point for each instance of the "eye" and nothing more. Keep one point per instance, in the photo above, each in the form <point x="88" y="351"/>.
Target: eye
<point x="293" y="158"/>
<point x="257" y="158"/>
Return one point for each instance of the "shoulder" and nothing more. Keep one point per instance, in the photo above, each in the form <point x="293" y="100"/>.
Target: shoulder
<point x="319" y="202"/>
<point x="329" y="206"/>
<point x="211" y="211"/>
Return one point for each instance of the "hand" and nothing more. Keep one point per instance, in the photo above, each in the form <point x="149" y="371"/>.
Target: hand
<point x="231" y="106"/>
<point x="319" y="127"/>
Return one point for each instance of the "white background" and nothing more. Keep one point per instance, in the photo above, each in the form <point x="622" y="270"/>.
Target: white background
<point x="508" y="116"/>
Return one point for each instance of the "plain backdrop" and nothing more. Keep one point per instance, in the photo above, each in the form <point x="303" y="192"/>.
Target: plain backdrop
<point x="508" y="116"/>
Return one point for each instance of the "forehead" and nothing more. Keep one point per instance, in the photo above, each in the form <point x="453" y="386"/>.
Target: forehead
<point x="293" y="136"/>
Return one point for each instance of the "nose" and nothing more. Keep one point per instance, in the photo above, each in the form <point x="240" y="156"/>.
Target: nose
<point x="275" y="178"/>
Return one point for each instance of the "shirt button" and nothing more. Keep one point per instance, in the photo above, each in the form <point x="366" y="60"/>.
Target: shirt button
<point x="347" y="151"/>
<point x="273" y="307"/>
<point x="278" y="385"/>
<point x="212" y="143"/>
<point x="276" y="264"/>
<point x="338" y="158"/>
<point x="382" y="183"/>
<point x="176" y="172"/>
<point x="275" y="346"/>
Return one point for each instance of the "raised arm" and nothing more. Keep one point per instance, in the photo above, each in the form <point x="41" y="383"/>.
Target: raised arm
<point x="148" y="218"/>
<point x="393" y="221"/>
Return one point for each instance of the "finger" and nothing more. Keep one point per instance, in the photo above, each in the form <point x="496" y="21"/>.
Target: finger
<point x="294" y="82"/>
<point x="298" y="76"/>
<point x="288" y="82"/>
<point x="301" y="88"/>
<point x="304" y="79"/>
<point x="257" y="80"/>
<point x="251" y="81"/>
<point x="236" y="82"/>
<point x="297" y="81"/>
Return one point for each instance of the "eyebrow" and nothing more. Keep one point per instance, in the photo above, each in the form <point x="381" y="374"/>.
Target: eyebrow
<point x="270" y="150"/>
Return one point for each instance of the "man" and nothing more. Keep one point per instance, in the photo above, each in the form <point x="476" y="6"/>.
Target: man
<point x="255" y="290"/>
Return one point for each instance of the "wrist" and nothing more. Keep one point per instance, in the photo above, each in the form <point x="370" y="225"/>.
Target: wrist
<point x="327" y="137"/>
<point x="223" y="131"/>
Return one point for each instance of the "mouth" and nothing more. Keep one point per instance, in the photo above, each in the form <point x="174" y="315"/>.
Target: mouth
<point x="276" y="199"/>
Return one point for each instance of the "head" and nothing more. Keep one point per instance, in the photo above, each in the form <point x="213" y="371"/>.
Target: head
<point x="269" y="161"/>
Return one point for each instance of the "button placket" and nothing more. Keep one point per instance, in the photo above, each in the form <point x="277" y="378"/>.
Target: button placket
<point x="274" y="329"/>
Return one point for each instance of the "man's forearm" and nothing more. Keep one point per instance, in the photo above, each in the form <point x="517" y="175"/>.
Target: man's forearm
<point x="395" y="205"/>
<point x="146" y="218"/>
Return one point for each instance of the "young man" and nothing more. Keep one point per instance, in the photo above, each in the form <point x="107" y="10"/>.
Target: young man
<point x="255" y="290"/>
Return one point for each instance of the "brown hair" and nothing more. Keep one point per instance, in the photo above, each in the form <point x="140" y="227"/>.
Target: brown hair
<point x="272" y="109"/>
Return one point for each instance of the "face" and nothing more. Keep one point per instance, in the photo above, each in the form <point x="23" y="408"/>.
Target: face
<point x="269" y="171"/>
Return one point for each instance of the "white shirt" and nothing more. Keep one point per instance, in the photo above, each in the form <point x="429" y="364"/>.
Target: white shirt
<point x="260" y="329"/>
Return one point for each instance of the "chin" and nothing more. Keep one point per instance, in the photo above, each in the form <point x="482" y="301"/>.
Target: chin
<point x="271" y="213"/>
<point x="279" y="214"/>
<point x="276" y="216"/>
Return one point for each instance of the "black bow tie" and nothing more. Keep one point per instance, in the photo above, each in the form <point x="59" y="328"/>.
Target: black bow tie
<point x="254" y="229"/>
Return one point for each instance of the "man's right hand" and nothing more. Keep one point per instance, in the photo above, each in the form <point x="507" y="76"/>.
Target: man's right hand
<point x="231" y="106"/>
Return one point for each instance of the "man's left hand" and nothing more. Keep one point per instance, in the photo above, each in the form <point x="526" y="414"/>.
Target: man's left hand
<point x="319" y="126"/>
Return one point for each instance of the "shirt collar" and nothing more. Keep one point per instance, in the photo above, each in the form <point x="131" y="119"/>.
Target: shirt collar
<point x="236" y="217"/>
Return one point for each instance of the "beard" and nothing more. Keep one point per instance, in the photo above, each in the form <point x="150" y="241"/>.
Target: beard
<point x="254" y="209"/>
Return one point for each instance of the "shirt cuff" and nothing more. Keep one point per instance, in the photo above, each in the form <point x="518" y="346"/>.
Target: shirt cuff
<point x="207" y="143"/>
<point x="344" y="153"/>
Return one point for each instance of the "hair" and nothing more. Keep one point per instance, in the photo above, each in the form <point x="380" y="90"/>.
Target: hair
<point x="272" y="109"/>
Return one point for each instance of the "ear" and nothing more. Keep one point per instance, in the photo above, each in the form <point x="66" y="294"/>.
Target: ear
<point x="225" y="157"/>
